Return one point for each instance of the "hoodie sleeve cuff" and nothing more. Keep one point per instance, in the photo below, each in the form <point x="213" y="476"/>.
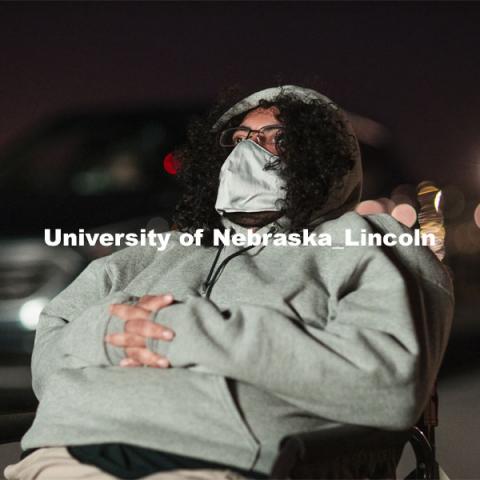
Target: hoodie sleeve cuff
<point x="84" y="339"/>
<point x="114" y="354"/>
<point x="116" y="325"/>
<point x="183" y="318"/>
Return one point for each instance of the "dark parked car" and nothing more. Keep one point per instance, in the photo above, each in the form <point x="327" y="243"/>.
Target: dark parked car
<point x="100" y="171"/>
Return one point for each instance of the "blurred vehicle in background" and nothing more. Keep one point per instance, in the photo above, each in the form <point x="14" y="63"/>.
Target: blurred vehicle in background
<point x="102" y="171"/>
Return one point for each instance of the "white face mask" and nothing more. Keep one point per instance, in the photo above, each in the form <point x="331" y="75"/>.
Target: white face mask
<point x="250" y="181"/>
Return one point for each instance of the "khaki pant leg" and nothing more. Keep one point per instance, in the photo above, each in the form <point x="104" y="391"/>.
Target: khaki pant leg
<point x="53" y="463"/>
<point x="195" y="474"/>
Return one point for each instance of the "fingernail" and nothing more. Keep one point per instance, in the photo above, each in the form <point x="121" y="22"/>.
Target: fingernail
<point x="168" y="298"/>
<point x="167" y="334"/>
<point x="125" y="362"/>
<point x="163" y="363"/>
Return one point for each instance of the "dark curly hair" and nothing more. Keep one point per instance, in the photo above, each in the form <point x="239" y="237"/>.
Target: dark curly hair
<point x="316" y="152"/>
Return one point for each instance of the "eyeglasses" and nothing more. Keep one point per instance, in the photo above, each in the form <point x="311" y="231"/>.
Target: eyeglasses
<point x="267" y="135"/>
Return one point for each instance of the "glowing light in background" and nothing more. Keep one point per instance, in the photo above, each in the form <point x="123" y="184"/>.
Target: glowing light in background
<point x="437" y="199"/>
<point x="405" y="214"/>
<point x="430" y="216"/>
<point x="368" y="207"/>
<point x="476" y="216"/>
<point x="30" y="312"/>
<point x="171" y="164"/>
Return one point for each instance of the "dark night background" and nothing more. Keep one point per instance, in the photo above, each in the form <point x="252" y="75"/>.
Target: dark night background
<point x="413" y="67"/>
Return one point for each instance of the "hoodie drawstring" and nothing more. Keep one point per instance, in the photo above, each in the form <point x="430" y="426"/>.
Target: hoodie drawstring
<point x="213" y="274"/>
<point x="210" y="273"/>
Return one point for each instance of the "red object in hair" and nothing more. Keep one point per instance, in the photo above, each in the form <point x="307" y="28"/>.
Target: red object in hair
<point x="171" y="164"/>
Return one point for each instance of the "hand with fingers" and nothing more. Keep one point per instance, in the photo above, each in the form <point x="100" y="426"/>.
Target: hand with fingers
<point x="139" y="327"/>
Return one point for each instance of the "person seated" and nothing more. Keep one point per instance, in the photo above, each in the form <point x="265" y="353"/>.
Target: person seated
<point x="242" y="345"/>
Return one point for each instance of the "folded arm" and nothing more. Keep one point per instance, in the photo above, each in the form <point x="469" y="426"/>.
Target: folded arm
<point x="373" y="363"/>
<point x="72" y="326"/>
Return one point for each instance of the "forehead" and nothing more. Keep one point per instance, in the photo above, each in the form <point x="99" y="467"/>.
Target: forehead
<point x="260" y="117"/>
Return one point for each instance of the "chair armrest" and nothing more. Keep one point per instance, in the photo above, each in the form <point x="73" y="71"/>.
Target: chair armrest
<point x="14" y="425"/>
<point x="346" y="451"/>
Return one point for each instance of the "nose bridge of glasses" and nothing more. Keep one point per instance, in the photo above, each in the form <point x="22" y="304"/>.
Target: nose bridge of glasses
<point x="255" y="135"/>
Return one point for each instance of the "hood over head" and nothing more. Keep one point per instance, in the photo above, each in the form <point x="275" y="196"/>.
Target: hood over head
<point x="341" y="199"/>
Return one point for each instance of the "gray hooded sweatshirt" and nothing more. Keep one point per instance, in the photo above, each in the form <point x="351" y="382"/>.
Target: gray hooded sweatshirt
<point x="290" y="340"/>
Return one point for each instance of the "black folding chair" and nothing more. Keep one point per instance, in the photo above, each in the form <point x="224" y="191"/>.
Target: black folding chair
<point x="353" y="452"/>
<point x="345" y="452"/>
